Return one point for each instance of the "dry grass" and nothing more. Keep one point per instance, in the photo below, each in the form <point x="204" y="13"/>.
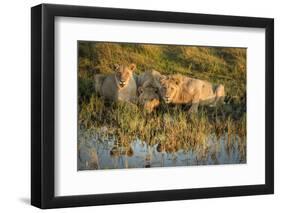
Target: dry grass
<point x="169" y="126"/>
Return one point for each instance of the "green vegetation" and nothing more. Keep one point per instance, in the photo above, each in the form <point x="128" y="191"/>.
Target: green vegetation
<point x="169" y="126"/>
<point x="217" y="65"/>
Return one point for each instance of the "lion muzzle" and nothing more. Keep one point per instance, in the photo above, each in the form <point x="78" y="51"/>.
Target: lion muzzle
<point x="167" y="99"/>
<point x="122" y="83"/>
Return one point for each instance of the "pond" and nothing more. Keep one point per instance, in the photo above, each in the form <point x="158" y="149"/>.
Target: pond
<point x="95" y="153"/>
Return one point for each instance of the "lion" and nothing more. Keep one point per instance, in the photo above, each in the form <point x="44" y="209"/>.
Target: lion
<point x="179" y="89"/>
<point x="119" y="86"/>
<point x="149" y="98"/>
<point x="149" y="89"/>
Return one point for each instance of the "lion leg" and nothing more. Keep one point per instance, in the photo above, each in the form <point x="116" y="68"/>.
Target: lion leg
<point x="195" y="104"/>
<point x="193" y="108"/>
<point x="220" y="94"/>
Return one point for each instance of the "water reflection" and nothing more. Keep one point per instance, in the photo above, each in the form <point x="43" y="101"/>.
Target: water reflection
<point x="94" y="153"/>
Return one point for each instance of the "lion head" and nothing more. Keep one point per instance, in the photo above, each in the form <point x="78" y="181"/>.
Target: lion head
<point x="149" y="98"/>
<point x="169" y="88"/>
<point x="123" y="74"/>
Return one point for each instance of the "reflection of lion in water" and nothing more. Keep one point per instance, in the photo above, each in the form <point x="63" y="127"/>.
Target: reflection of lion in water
<point x="119" y="86"/>
<point x="118" y="151"/>
<point x="179" y="89"/>
<point x="149" y="89"/>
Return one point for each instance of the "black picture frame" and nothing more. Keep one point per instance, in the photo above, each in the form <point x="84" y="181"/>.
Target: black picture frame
<point x="43" y="105"/>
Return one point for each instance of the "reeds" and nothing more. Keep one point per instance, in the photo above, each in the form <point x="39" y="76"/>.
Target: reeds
<point x="167" y="126"/>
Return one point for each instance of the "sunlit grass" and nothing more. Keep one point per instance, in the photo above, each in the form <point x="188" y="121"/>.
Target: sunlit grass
<point x="168" y="125"/>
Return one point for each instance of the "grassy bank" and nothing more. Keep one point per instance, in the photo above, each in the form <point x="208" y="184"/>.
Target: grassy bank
<point x="218" y="65"/>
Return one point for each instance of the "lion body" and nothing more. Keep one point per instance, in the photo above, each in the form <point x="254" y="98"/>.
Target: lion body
<point x="149" y="77"/>
<point x="98" y="82"/>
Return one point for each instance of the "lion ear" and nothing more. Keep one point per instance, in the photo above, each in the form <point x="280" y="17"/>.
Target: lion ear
<point x="162" y="79"/>
<point x="140" y="90"/>
<point x="116" y="67"/>
<point x="132" y="67"/>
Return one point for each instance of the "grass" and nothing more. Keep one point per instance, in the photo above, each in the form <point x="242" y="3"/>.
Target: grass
<point x="169" y="126"/>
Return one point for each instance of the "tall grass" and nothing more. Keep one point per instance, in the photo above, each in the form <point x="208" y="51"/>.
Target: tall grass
<point x="171" y="127"/>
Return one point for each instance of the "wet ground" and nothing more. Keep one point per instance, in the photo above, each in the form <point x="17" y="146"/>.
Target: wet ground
<point x="95" y="153"/>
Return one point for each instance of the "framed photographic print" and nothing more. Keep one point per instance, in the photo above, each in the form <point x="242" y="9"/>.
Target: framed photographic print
<point x="140" y="106"/>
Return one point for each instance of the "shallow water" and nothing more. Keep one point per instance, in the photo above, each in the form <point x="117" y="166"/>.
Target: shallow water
<point x="94" y="153"/>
